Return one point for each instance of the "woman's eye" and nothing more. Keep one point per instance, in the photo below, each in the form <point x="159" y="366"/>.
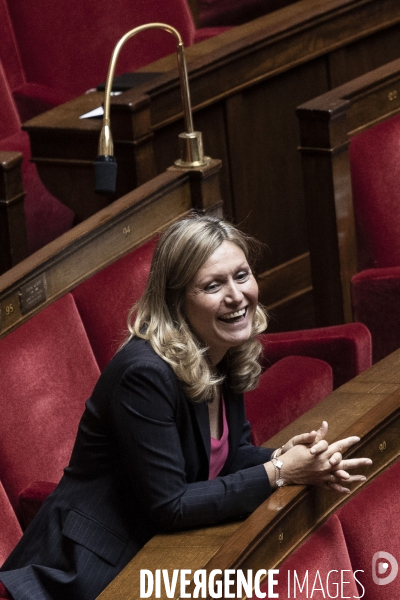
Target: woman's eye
<point x="243" y="275"/>
<point x="211" y="287"/>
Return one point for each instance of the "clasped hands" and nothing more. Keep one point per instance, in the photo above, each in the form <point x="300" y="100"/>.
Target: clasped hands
<point x="308" y="459"/>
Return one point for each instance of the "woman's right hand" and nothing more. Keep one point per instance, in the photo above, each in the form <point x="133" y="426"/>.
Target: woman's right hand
<point x="318" y="463"/>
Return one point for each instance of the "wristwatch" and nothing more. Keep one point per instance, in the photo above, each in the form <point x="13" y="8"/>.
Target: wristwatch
<point x="278" y="464"/>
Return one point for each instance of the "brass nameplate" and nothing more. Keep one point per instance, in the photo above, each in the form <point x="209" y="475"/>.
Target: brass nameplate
<point x="32" y="294"/>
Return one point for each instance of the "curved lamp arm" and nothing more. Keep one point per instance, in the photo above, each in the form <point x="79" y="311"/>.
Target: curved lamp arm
<point x="191" y="144"/>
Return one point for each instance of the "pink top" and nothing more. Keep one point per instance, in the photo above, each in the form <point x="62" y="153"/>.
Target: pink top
<point x="219" y="448"/>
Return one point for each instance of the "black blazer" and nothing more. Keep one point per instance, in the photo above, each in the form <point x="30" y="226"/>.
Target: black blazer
<point x="139" y="466"/>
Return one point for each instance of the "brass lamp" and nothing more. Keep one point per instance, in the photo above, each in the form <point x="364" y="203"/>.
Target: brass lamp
<point x="191" y="144"/>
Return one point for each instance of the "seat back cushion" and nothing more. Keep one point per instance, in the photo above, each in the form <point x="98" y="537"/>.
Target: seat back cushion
<point x="346" y="348"/>
<point x="105" y="299"/>
<point x="48" y="370"/>
<point x="375" y="176"/>
<point x="320" y="568"/>
<point x="68" y="45"/>
<point x="371" y="524"/>
<point x="285" y="391"/>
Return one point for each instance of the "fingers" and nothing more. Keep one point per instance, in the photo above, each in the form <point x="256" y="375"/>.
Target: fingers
<point x="322" y="431"/>
<point x="343" y="445"/>
<point x="303" y="438"/>
<point x="334" y="481"/>
<point x="351" y="463"/>
<point x="314" y="437"/>
<point x="335" y="459"/>
<point x="339" y="488"/>
<point x="319" y="447"/>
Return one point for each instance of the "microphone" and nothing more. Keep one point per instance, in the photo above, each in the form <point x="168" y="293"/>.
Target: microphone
<point x="191" y="144"/>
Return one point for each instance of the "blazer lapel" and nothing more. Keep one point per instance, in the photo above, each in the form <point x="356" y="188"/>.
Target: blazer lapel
<point x="200" y="410"/>
<point x="235" y="424"/>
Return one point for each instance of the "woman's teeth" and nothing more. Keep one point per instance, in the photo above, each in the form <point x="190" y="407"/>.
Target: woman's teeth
<point x="235" y="315"/>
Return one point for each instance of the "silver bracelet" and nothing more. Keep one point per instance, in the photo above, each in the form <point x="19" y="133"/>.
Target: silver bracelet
<point x="278" y="464"/>
<point x="274" y="454"/>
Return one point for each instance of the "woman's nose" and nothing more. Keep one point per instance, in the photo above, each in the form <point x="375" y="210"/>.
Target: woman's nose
<point x="234" y="293"/>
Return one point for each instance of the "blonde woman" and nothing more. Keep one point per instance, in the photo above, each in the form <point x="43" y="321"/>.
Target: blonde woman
<point x="164" y="443"/>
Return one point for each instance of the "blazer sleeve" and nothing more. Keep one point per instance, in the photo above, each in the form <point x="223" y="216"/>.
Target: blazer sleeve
<point x="144" y="410"/>
<point x="247" y="454"/>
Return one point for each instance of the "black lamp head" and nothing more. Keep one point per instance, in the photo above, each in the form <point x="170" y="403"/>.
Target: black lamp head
<point x="105" y="173"/>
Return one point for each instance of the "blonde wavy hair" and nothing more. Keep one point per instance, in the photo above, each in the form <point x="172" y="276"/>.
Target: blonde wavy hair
<point x="159" y="315"/>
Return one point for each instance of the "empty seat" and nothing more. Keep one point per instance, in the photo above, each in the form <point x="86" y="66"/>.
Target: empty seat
<point x="104" y="300"/>
<point x="68" y="56"/>
<point x="48" y="371"/>
<point x="375" y="172"/>
<point x="285" y="391"/>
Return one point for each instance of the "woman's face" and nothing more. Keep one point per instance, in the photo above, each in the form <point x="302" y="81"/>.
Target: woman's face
<point x="221" y="301"/>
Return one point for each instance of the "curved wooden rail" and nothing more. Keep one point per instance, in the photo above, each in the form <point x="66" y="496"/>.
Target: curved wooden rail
<point x="367" y="406"/>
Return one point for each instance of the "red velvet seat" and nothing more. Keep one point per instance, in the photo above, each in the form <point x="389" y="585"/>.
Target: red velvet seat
<point x="104" y="300"/>
<point x="48" y="371"/>
<point x="346" y="348"/>
<point x="295" y="377"/>
<point x="31" y="98"/>
<point x="285" y="391"/>
<point x="375" y="175"/>
<point x="46" y="217"/>
<point x="370" y="523"/>
<point x="65" y="48"/>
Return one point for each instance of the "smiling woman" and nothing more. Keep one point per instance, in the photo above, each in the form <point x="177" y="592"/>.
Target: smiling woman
<point x="164" y="442"/>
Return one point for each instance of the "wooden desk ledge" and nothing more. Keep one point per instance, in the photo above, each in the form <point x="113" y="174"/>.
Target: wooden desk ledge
<point x="367" y="406"/>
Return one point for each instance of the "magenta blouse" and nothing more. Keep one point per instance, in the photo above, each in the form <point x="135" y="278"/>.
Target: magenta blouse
<point x="219" y="448"/>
